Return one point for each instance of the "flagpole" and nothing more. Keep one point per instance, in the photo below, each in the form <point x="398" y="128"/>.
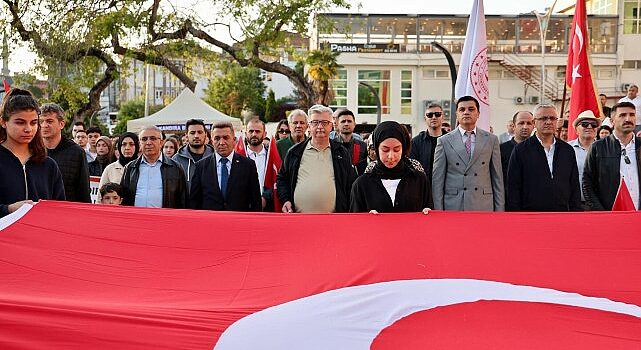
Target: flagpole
<point x="565" y="94"/>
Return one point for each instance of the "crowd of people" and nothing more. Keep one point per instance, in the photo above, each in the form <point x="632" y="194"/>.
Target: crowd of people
<point x="326" y="166"/>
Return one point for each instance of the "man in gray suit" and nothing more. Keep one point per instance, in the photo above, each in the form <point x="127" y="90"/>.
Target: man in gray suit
<point x="467" y="171"/>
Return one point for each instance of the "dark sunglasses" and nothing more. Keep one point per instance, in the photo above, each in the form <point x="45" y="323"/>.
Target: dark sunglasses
<point x="433" y="114"/>
<point x="284" y="131"/>
<point x="626" y="159"/>
<point x="586" y="124"/>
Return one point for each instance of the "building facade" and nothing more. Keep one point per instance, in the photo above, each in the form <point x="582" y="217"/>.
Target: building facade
<point x="397" y="56"/>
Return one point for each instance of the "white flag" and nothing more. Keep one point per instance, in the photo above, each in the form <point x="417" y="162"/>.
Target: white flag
<point x="472" y="77"/>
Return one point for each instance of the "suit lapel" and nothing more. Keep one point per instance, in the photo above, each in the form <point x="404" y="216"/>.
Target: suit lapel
<point x="457" y="144"/>
<point x="235" y="168"/>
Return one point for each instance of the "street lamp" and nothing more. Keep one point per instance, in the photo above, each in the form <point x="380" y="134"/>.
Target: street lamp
<point x="543" y="19"/>
<point x="450" y="62"/>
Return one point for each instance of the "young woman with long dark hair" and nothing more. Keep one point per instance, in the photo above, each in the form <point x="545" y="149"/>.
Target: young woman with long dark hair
<point x="27" y="175"/>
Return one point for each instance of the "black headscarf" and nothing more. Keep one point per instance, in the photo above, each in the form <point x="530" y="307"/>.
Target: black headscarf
<point x="386" y="130"/>
<point x="121" y="158"/>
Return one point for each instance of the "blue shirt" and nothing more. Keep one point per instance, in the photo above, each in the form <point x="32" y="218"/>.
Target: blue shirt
<point x="149" y="188"/>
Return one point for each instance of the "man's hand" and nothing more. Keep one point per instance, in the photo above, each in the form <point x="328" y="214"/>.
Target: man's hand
<point x="15" y="206"/>
<point x="287" y="207"/>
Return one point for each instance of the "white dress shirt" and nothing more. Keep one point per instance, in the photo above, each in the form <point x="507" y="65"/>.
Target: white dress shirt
<point x="260" y="158"/>
<point x="549" y="154"/>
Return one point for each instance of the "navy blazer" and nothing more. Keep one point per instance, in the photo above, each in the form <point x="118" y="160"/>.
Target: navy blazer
<point x="243" y="188"/>
<point x="531" y="187"/>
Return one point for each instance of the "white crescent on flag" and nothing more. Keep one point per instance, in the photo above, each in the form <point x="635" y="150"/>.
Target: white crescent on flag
<point x="351" y="318"/>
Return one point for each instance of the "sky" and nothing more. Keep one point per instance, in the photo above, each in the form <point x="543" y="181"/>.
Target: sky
<point x="21" y="59"/>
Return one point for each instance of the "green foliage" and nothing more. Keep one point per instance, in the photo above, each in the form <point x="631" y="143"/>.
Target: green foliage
<point x="270" y="106"/>
<point x="237" y="90"/>
<point x="69" y="96"/>
<point x="131" y="110"/>
<point x="323" y="67"/>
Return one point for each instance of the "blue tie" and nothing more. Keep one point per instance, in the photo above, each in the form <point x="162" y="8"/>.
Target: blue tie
<point x="224" y="176"/>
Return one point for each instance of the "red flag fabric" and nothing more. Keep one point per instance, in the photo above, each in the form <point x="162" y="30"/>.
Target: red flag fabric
<point x="240" y="147"/>
<point x="623" y="200"/>
<point x="578" y="75"/>
<point x="6" y="85"/>
<point x="184" y="279"/>
<point x="271" y="171"/>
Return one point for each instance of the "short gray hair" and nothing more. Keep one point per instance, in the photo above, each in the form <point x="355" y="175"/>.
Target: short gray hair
<point x="295" y="113"/>
<point x="53" y="108"/>
<point x="544" y="105"/>
<point x="318" y="109"/>
<point x="150" y="127"/>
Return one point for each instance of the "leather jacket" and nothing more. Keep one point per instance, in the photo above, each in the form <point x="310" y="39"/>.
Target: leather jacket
<point x="174" y="183"/>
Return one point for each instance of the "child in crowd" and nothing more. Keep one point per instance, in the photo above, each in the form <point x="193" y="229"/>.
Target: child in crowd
<point x="111" y="194"/>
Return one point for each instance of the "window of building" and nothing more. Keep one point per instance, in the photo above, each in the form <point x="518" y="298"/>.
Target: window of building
<point x="501" y="34"/>
<point x="380" y="81"/>
<point x="602" y="7"/>
<point x="605" y="73"/>
<point x="603" y="35"/>
<point x="399" y="30"/>
<point x="631" y="13"/>
<point x="631" y="64"/>
<point x="339" y="86"/>
<point x="406" y="92"/>
<point x="430" y="73"/>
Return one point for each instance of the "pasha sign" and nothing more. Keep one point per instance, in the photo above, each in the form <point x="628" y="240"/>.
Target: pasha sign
<point x="363" y="48"/>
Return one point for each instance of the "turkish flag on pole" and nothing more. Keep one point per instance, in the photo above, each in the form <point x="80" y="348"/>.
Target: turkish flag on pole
<point x="240" y="147"/>
<point x="472" y="77"/>
<point x="273" y="167"/>
<point x="623" y="200"/>
<point x="578" y="76"/>
<point x="6" y="86"/>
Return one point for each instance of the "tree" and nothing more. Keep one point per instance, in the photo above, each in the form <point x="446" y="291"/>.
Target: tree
<point x="73" y="31"/>
<point x="323" y="67"/>
<point x="237" y="90"/>
<point x="270" y="106"/>
<point x="130" y="110"/>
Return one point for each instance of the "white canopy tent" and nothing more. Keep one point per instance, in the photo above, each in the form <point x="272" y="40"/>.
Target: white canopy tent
<point x="186" y="106"/>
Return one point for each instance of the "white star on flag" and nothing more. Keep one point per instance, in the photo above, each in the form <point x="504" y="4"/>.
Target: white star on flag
<point x="575" y="73"/>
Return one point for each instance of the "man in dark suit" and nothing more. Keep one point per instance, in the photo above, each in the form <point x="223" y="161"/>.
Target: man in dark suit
<point x="225" y="180"/>
<point x="523" y="126"/>
<point x="542" y="174"/>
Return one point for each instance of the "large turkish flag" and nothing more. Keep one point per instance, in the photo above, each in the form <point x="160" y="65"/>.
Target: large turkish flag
<point x="78" y="276"/>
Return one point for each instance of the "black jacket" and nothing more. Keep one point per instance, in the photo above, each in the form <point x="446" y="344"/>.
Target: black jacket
<point x="243" y="188"/>
<point x="423" y="147"/>
<point x="96" y="167"/>
<point x="361" y="162"/>
<point x="72" y="161"/>
<point x="412" y="194"/>
<point x="529" y="184"/>
<point x="344" y="174"/>
<point x="34" y="181"/>
<point x="601" y="175"/>
<point x="174" y="183"/>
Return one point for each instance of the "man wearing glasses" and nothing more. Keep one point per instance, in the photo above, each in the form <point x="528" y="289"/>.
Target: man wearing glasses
<point x="612" y="159"/>
<point x="542" y="174"/>
<point x="585" y="125"/>
<point x="317" y="174"/>
<point x="154" y="181"/>
<point x="424" y="144"/>
<point x="298" y="126"/>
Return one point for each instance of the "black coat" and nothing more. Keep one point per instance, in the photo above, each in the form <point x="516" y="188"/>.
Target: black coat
<point x="35" y="181"/>
<point x="72" y="162"/>
<point x="344" y="174"/>
<point x="601" y="175"/>
<point x="174" y="183"/>
<point x="361" y="160"/>
<point x="506" y="151"/>
<point x="243" y="188"/>
<point x="412" y="194"/>
<point x="423" y="147"/>
<point x="529" y="184"/>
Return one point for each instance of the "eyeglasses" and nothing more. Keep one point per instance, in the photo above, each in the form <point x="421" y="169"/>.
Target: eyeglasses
<point x="550" y="118"/>
<point x="587" y="124"/>
<point x="626" y="159"/>
<point x="284" y="131"/>
<point x="433" y="114"/>
<point x="316" y="123"/>
<point x="149" y="138"/>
